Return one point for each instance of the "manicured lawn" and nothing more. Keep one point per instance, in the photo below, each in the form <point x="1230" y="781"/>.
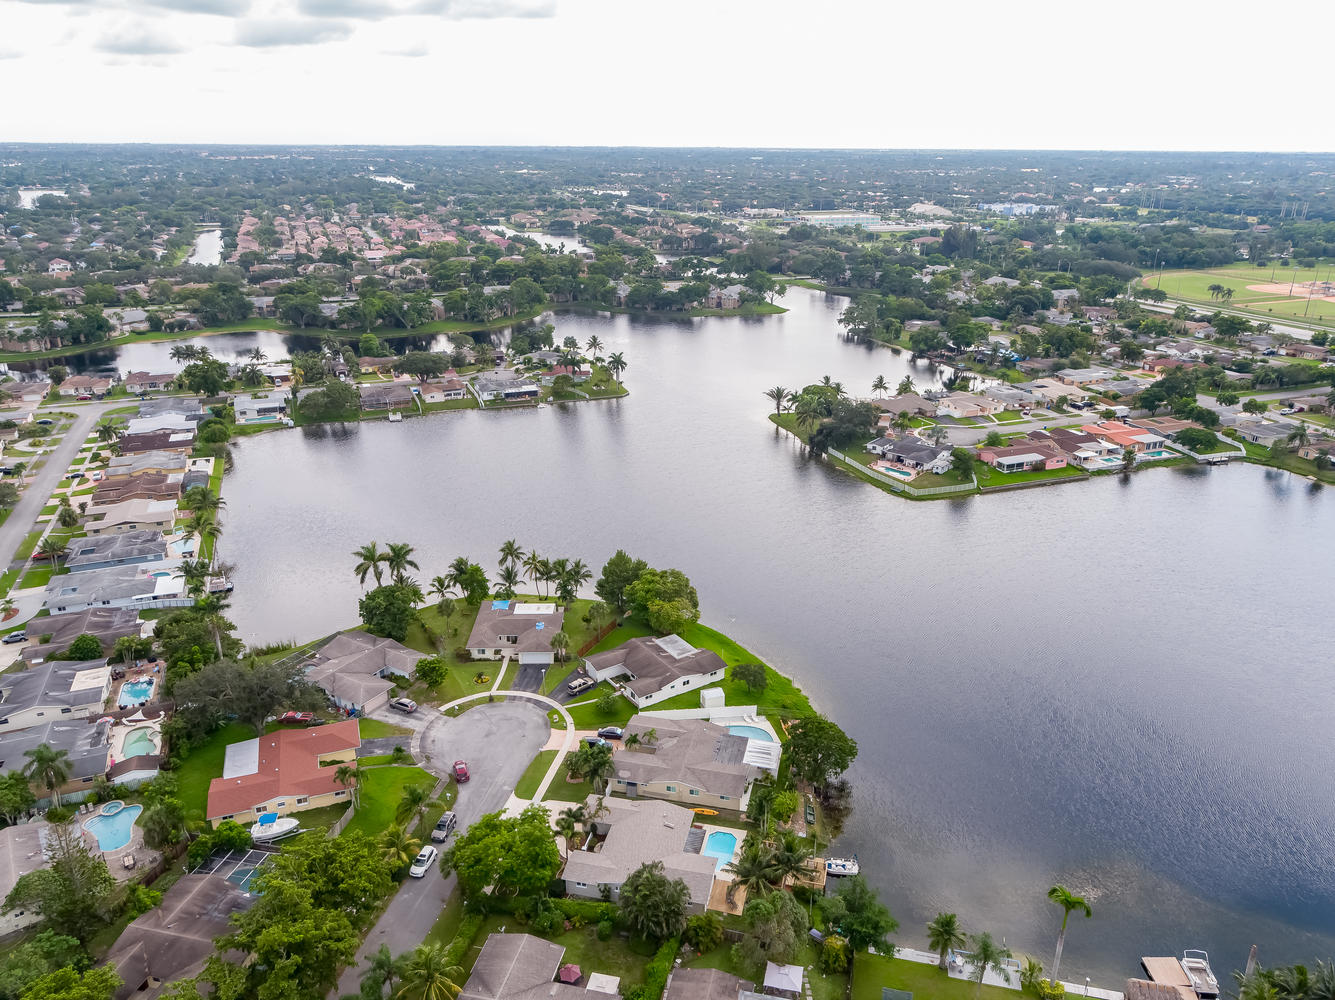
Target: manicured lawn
<point x="447" y="924"/>
<point x="1008" y="416"/>
<point x="567" y="791"/>
<point x="371" y="729"/>
<point x="987" y="476"/>
<point x="38" y="576"/>
<point x="374" y="759"/>
<point x="431" y="627"/>
<point x="204" y="764"/>
<point x="589" y="716"/>
<point x="379" y="795"/>
<point x="322" y="818"/>
<point x="871" y="972"/>
<point x="528" y="782"/>
<point x="26" y="547"/>
<point x="614" y="957"/>
<point x="833" y="987"/>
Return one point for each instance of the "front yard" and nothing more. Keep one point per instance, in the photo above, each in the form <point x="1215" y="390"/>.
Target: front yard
<point x="379" y="793"/>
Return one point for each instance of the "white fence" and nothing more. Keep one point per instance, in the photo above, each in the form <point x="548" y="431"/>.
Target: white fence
<point x="712" y="713"/>
<point x="898" y="485"/>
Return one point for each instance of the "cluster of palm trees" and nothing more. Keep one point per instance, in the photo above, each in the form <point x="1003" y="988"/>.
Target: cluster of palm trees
<point x="1289" y="982"/>
<point x="396" y="557"/>
<point x="421" y="974"/>
<point x="204" y="506"/>
<point x="766" y="865"/>
<point x="1218" y="291"/>
<point x="564" y="576"/>
<point x="579" y="819"/>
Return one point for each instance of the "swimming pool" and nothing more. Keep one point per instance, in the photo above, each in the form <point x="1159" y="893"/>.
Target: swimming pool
<point x="139" y="741"/>
<point x="135" y="693"/>
<point x="751" y="733"/>
<point x="113" y="824"/>
<point x="720" y="845"/>
<point x="1157" y="453"/>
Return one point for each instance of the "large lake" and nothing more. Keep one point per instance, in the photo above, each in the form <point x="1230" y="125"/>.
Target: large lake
<point x="1122" y="684"/>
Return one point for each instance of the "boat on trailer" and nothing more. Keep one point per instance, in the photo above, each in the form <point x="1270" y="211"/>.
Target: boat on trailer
<point x="842" y="866"/>
<point x="271" y="826"/>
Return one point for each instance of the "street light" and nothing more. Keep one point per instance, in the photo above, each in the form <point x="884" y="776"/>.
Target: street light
<point x="1086" y="986"/>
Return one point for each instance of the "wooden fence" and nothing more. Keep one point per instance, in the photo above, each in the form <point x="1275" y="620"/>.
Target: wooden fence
<point x="601" y="634"/>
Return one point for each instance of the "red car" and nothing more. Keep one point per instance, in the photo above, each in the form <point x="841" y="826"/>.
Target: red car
<point x="460" y="771"/>
<point x="304" y="718"/>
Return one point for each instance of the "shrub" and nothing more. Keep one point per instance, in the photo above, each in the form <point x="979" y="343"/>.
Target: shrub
<point x="463" y="939"/>
<point x="704" y="931"/>
<point x="431" y="671"/>
<point x="605" y="929"/>
<point x="660" y="966"/>
<point x="607" y="702"/>
<point x="463" y="654"/>
<point x="1048" y="990"/>
<point x="784" y="804"/>
<point x="588" y="910"/>
<point x="548" y="921"/>
<point x="835" y="954"/>
<point x="85" y="647"/>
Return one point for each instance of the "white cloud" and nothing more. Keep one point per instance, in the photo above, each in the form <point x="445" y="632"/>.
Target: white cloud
<point x="139" y="41"/>
<point x="265" y="34"/>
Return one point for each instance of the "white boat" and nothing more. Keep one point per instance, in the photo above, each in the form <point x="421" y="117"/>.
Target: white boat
<point x="395" y="416"/>
<point x="1196" y="964"/>
<point x="842" y="866"/>
<point x="271" y="826"/>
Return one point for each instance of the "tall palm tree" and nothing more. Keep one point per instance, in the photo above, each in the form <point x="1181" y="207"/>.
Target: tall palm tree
<point x="202" y="501"/>
<point x="600" y="769"/>
<point x="53" y="548"/>
<point x="937" y="434"/>
<point x="778" y="395"/>
<point x="107" y="431"/>
<point x="791" y="856"/>
<point x="511" y="553"/>
<point x="195" y="571"/>
<point x="1299" y="437"/>
<point x="213" y="609"/>
<point x="398" y="845"/>
<point x="568" y="823"/>
<point x="595" y="345"/>
<point x="48" y="767"/>
<point x="398" y="558"/>
<point x="413" y="801"/>
<point x="905" y="385"/>
<point x="506" y="581"/>
<point x="533" y="566"/>
<point x="427" y="977"/>
<point x="753" y="870"/>
<point x="346" y="775"/>
<point x="808" y="411"/>
<point x="616" y="364"/>
<point x="369" y="558"/>
<point x="987" y="954"/>
<point x="879" y="386"/>
<point x="382" y="969"/>
<point x="902" y="421"/>
<point x="1069" y="902"/>
<point x="560" y="644"/>
<point x="442" y="590"/>
<point x="943" y="935"/>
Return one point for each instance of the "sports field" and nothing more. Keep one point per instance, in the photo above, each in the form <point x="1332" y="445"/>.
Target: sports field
<point x="1281" y="293"/>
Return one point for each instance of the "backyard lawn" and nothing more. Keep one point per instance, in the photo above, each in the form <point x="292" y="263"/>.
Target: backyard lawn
<point x="528" y="782"/>
<point x="832" y="987"/>
<point x="203" y="765"/>
<point x="871" y="972"/>
<point x="379" y="795"/>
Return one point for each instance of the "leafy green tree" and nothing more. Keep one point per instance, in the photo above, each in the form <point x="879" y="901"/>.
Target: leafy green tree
<point x="388" y="611"/>
<point x="664" y="598"/>
<point x="859" y="915"/>
<point x="619" y="573"/>
<point x="249" y="693"/>
<point x="74" y="893"/>
<point x="470" y="579"/>
<point x="431" y="670"/>
<point x="45" y="953"/>
<point x="85" y="647"/>
<point x="962" y="461"/>
<point x="16" y="796"/>
<point x="835" y="955"/>
<point x="207" y="377"/>
<point x="819" y="750"/>
<point x="69" y="984"/>
<point x="1069" y="902"/>
<point x="515" y="855"/>
<point x="382" y="969"/>
<point x="776" y="926"/>
<point x="653" y="905"/>
<point x="944" y="935"/>
<point x="66" y="517"/>
<point x="704" y="931"/>
<point x="1253" y="405"/>
<point x="336" y="401"/>
<point x="752" y="675"/>
<point x="163" y="823"/>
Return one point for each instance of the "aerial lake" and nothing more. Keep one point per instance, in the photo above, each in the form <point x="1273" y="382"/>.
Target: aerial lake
<point x="1121" y="684"/>
<point x="208" y="248"/>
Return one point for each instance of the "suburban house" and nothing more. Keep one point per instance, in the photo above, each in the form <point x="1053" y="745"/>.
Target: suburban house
<point x="1310" y="404"/>
<point x="137" y="382"/>
<point x="115" y="587"/>
<point x="85" y="385"/>
<point x="1085" y="450"/>
<point x="910" y="403"/>
<point x="134" y="444"/>
<point x="1316" y="449"/>
<point x="967" y="406"/>
<point x="1084" y="376"/>
<point x="911" y="452"/>
<point x="440" y="390"/>
<point x="724" y="298"/>
<point x="1119" y="387"/>
<point x="283" y="772"/>
<point x="1049" y="390"/>
<point x="1159" y="365"/>
<point x="520" y="628"/>
<point x="370" y="366"/>
<point x="1302" y="349"/>
<point x="167" y="420"/>
<point x="86" y="745"/>
<point x="59" y="265"/>
<point x="22" y="850"/>
<point x="353" y="669"/>
<point x="1023" y="457"/>
<point x="259" y="408"/>
<point x="147" y="462"/>
<point x="706" y="984"/>
<point x="691" y="761"/>
<point x="53" y="689"/>
<point x="115" y="550"/>
<point x="132" y="515"/>
<point x="635" y="834"/>
<point x="656" y="669"/>
<point x="1010" y="397"/>
<point x="385" y="395"/>
<point x="1131" y="438"/>
<point x="149" y="486"/>
<point x="524" y="967"/>
<point x="491" y="389"/>
<point x="577" y="375"/>
<point x="174" y="939"/>
<point x="1262" y="432"/>
<point x="106" y="624"/>
<point x="28" y="392"/>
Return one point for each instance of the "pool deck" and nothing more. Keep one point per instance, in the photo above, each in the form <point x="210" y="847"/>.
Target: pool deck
<point x="144" y="857"/>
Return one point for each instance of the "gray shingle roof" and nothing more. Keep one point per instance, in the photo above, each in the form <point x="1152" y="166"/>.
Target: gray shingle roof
<point x="690" y="751"/>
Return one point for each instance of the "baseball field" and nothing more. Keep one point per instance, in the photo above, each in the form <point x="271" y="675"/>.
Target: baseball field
<point x="1272" y="292"/>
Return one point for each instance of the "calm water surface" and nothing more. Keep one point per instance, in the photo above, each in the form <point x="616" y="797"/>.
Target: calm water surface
<point x="1123" y="685"/>
<point x="208" y="248"/>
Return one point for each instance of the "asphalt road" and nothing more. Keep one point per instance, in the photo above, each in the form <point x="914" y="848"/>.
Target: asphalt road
<point x="498" y="741"/>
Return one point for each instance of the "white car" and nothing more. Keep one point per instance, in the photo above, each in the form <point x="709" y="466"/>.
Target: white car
<point x="423" y="861"/>
<point x="1287" y="410"/>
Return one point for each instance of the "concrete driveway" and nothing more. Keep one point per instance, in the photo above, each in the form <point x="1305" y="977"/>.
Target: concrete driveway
<point x="498" y="741"/>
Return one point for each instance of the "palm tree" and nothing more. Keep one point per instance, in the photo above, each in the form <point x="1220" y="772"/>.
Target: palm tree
<point x="511" y="553"/>
<point x="398" y="558"/>
<point x="507" y="580"/>
<point x="398" y="845"/>
<point x="7" y="607"/>
<point x="595" y="345"/>
<point x="808" y="411"/>
<point x="200" y="500"/>
<point x="382" y="969"/>
<point x="579" y="574"/>
<point x="413" y="801"/>
<point x="568" y="823"/>
<point x="106" y="431"/>
<point x="879" y="386"/>
<point x="442" y="590"/>
<point x="257" y="354"/>
<point x="616" y="364"/>
<point x="533" y="566"/>
<point x="1299" y="437"/>
<point x="902" y="421"/>
<point x="944" y="935"/>
<point x="987" y="954"/>
<point x="195" y="571"/>
<point x="937" y="434"/>
<point x="48" y="767"/>
<point x="53" y="548"/>
<point x="560" y="643"/>
<point x="369" y="559"/>
<point x="1129" y="460"/>
<point x="753" y="870"/>
<point x="427" y="977"/>
<point x="905" y="385"/>
<point x="213" y="609"/>
<point x="346" y="775"/>
<point x="791" y="856"/>
<point x="778" y="395"/>
<point x="600" y="768"/>
<point x="1068" y="901"/>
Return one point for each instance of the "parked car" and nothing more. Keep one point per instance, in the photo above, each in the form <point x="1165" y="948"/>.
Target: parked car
<point x="14" y="637"/>
<point x="96" y="476"/>
<point x="423" y="861"/>
<point x="1287" y="410"/>
<point x="611" y="732"/>
<point x="403" y="705"/>
<point x="305" y="718"/>
<point x="581" y="684"/>
<point x="461" y="774"/>
<point x="596" y="741"/>
<point x="444" y="826"/>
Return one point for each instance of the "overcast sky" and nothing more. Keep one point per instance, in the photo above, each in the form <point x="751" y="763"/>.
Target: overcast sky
<point x="1168" y="74"/>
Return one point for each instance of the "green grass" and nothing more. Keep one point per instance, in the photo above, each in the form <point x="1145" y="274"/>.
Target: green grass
<point x="375" y="760"/>
<point x="447" y="924"/>
<point x="379" y="795"/>
<point x="567" y="791"/>
<point x="1008" y="416"/>
<point x="38" y="576"/>
<point x="988" y="476"/>
<point x="823" y="987"/>
<point x="322" y="818"/>
<point x="527" y="786"/>
<point x="371" y="729"/>
<point x="871" y="972"/>
<point x="28" y="544"/>
<point x="205" y="763"/>
<point x="1193" y="286"/>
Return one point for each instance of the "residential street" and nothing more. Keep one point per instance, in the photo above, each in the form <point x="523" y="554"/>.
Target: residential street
<point x="498" y="741"/>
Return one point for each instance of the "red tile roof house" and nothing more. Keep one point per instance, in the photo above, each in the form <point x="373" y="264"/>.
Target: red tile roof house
<point x="1033" y="455"/>
<point x="1137" y="439"/>
<point x="282" y="772"/>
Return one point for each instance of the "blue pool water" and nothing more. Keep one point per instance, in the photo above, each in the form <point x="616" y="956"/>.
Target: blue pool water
<point x="134" y="693"/>
<point x="751" y="732"/>
<point x="720" y="845"/>
<point x="113" y="832"/>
